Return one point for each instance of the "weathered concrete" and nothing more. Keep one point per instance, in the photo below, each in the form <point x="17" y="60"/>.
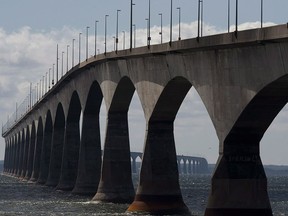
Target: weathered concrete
<point x="242" y="82"/>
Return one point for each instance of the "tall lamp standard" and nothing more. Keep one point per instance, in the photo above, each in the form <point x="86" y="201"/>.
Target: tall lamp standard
<point x="57" y="58"/>
<point x="73" y="41"/>
<point x="179" y="10"/>
<point x="96" y="37"/>
<point x="171" y="20"/>
<point x="131" y="23"/>
<point x="149" y="25"/>
<point x="161" y="29"/>
<point x="134" y="25"/>
<point x="236" y="22"/>
<point x="228" y="16"/>
<point x="261" y="13"/>
<point x="49" y="77"/>
<point x="67" y="58"/>
<point x="117" y="30"/>
<point x="123" y="40"/>
<point x="200" y="17"/>
<point x="202" y="8"/>
<point x="62" y="62"/>
<point x="147" y="31"/>
<point x="105" y="42"/>
<point x="80" y="47"/>
<point x="87" y="29"/>
<point x="114" y="40"/>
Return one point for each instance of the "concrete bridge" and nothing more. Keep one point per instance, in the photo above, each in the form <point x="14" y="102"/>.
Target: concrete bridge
<point x="242" y="79"/>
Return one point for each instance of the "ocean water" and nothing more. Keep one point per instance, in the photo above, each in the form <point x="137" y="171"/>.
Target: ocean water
<point x="21" y="198"/>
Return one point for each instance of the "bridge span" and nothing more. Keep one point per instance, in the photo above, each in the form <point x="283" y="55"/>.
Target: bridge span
<point x="241" y="78"/>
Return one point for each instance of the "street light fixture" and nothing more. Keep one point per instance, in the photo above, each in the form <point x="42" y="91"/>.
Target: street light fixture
<point x="49" y="77"/>
<point x="96" y="36"/>
<point x="87" y="28"/>
<point x="53" y="75"/>
<point x="179" y="10"/>
<point x="114" y="42"/>
<point x="123" y="40"/>
<point x="117" y="30"/>
<point x="236" y="22"/>
<point x="261" y="13"/>
<point x="131" y="23"/>
<point x="73" y="41"/>
<point x="57" y="58"/>
<point x="161" y="24"/>
<point x="80" y="47"/>
<point x="228" y="16"/>
<point x="105" y="43"/>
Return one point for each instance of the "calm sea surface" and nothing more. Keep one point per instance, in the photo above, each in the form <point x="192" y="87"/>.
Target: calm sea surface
<point x="22" y="198"/>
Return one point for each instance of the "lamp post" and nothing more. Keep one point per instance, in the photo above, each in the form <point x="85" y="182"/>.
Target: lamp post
<point x="199" y="5"/>
<point x="123" y="40"/>
<point x="62" y="62"/>
<point x="131" y="23"/>
<point x="171" y="20"/>
<point x="73" y="41"/>
<point x="147" y="31"/>
<point x="261" y="13"/>
<point x="228" y="16"/>
<point x="96" y="36"/>
<point x="46" y="86"/>
<point x="202" y="8"/>
<point x="67" y="58"/>
<point x="114" y="42"/>
<point x="87" y="29"/>
<point x="57" y="58"/>
<point x="49" y="77"/>
<point x="161" y="28"/>
<point x="105" y="43"/>
<point x="149" y="24"/>
<point x="236" y="22"/>
<point x="117" y="30"/>
<point x="53" y="75"/>
<point x="179" y="10"/>
<point x="134" y="25"/>
<point x="80" y="47"/>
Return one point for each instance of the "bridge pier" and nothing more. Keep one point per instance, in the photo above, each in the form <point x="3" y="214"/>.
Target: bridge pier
<point x="116" y="182"/>
<point x="89" y="166"/>
<point x="239" y="185"/>
<point x="158" y="190"/>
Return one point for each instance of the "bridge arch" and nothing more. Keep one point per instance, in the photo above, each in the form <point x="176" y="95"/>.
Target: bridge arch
<point x="31" y="150"/>
<point x="37" y="150"/>
<point x="89" y="166"/>
<point x="57" y="147"/>
<point x="117" y="185"/>
<point x="46" y="149"/>
<point x="241" y="148"/>
<point x="159" y="162"/>
<point x="71" y="145"/>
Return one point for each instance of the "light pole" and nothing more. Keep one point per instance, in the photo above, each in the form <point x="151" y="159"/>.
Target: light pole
<point x="134" y="25"/>
<point x="123" y="40"/>
<point x="179" y="10"/>
<point x="131" y="23"/>
<point x="171" y="20"/>
<point x="80" y="47"/>
<point x="202" y="8"/>
<point x="57" y="58"/>
<point x="96" y="36"/>
<point x="67" y="58"/>
<point x="114" y="41"/>
<point x="73" y="41"/>
<point x="161" y="24"/>
<point x="87" y="28"/>
<point x="228" y="16"/>
<point x="53" y="75"/>
<point x="46" y="86"/>
<point x="49" y="77"/>
<point x="62" y="62"/>
<point x="261" y="13"/>
<point x="199" y="7"/>
<point x="149" y="24"/>
<point x="117" y="30"/>
<point x="147" y="31"/>
<point x="105" y="43"/>
<point x="236" y="22"/>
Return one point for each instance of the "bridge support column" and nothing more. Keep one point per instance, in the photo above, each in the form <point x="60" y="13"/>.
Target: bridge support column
<point x="134" y="168"/>
<point x="56" y="156"/>
<point x="159" y="191"/>
<point x="239" y="186"/>
<point x="116" y="181"/>
<point x="70" y="156"/>
<point x="89" y="166"/>
<point x="37" y="155"/>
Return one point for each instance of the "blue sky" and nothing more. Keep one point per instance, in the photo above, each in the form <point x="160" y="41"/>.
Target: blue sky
<point x="30" y="30"/>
